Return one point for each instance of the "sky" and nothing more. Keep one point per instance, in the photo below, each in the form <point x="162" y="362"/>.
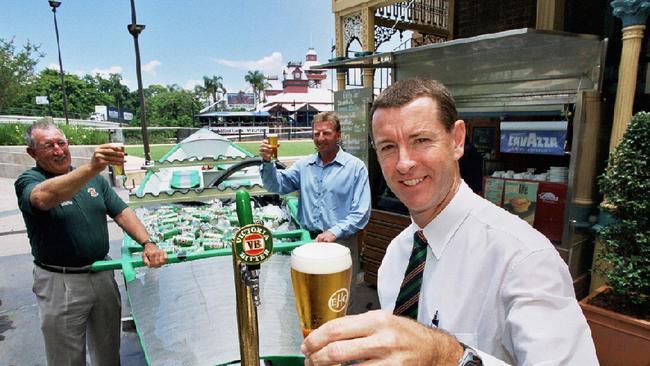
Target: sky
<point x="183" y="40"/>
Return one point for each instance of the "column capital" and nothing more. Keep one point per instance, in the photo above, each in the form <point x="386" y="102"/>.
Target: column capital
<point x="631" y="12"/>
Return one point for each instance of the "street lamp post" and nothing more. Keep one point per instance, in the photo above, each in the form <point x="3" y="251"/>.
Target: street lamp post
<point x="55" y="4"/>
<point x="135" y="30"/>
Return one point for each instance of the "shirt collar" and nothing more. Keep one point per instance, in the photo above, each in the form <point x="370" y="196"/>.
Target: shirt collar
<point x="443" y="227"/>
<point x="340" y="158"/>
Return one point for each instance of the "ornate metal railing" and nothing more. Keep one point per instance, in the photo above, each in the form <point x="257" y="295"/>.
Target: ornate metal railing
<point x="407" y="14"/>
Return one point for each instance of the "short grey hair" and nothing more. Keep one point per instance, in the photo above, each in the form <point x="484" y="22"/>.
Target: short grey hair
<point x="42" y="124"/>
<point x="328" y="117"/>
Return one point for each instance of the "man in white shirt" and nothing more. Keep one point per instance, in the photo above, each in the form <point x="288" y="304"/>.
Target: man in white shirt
<point x="491" y="290"/>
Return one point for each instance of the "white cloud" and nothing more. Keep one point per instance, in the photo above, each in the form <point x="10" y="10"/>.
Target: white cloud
<point x="54" y="67"/>
<point x="268" y="65"/>
<point x="106" y="72"/>
<point x="190" y="84"/>
<point x="150" y="67"/>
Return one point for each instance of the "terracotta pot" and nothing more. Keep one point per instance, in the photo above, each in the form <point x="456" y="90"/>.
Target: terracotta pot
<point x="619" y="339"/>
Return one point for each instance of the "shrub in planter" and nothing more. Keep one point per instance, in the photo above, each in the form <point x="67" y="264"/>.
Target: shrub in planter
<point x="626" y="186"/>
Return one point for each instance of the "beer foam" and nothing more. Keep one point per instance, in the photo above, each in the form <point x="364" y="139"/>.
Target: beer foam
<point x="321" y="258"/>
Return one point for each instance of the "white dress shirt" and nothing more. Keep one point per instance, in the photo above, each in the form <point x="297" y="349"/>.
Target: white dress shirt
<point x="497" y="284"/>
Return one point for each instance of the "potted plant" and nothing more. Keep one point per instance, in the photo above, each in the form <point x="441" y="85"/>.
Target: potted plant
<point x="619" y="313"/>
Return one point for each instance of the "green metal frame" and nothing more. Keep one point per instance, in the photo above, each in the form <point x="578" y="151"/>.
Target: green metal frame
<point x="129" y="262"/>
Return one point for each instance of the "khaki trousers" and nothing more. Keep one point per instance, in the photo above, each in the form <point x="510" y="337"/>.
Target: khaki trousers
<point x="76" y="309"/>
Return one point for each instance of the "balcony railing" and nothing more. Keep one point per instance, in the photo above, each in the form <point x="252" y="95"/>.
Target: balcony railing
<point x="426" y="16"/>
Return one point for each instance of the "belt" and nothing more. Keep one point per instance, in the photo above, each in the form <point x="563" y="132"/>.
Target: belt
<point x="59" y="269"/>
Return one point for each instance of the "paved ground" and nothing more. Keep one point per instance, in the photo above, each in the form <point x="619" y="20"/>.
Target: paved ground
<point x="21" y="341"/>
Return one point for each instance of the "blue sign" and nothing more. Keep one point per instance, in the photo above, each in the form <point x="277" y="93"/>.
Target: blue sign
<point x="533" y="142"/>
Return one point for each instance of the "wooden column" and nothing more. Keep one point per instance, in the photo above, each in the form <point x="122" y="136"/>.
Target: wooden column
<point x="627" y="72"/>
<point x="633" y="13"/>
<point x="550" y="15"/>
<point x="340" y="49"/>
<point x="586" y="166"/>
<point x="368" y="42"/>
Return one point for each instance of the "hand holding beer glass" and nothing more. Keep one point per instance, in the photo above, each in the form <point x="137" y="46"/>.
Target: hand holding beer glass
<point x="273" y="141"/>
<point x="321" y="275"/>
<point x="118" y="169"/>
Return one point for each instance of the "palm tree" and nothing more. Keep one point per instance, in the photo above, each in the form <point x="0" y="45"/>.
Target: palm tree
<point x="213" y="86"/>
<point x="258" y="82"/>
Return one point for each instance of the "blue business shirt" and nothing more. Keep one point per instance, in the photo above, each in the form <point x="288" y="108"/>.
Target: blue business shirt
<point x="334" y="197"/>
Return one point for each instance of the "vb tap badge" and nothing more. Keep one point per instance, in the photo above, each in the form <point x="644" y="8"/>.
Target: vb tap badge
<point x="253" y="244"/>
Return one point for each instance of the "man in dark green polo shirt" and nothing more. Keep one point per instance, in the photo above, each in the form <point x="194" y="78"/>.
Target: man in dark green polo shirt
<point x="65" y="210"/>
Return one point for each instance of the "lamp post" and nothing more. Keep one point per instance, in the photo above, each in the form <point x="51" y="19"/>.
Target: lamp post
<point x="55" y="4"/>
<point x="135" y="30"/>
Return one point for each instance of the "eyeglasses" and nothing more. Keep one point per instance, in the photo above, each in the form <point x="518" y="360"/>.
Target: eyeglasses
<point x="50" y="145"/>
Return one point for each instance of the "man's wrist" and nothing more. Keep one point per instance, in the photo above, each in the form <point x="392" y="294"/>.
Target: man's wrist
<point x="470" y="357"/>
<point x="148" y="241"/>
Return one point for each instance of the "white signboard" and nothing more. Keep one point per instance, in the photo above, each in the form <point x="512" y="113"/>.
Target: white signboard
<point x="236" y="130"/>
<point x="128" y="116"/>
<point x="42" y="99"/>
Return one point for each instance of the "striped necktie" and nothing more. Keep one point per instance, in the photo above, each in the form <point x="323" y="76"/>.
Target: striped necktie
<point x="409" y="291"/>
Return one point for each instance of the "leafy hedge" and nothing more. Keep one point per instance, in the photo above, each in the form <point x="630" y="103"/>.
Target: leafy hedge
<point x="626" y="184"/>
<point x="12" y="134"/>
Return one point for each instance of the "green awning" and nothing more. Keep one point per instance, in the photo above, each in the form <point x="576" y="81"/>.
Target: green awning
<point x="184" y="179"/>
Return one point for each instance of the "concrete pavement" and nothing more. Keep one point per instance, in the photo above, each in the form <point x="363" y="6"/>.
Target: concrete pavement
<point x="21" y="341"/>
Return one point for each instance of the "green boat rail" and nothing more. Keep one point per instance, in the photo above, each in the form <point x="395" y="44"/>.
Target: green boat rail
<point x="130" y="261"/>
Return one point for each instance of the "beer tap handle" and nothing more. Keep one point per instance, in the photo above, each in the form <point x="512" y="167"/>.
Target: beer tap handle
<point x="250" y="275"/>
<point x="255" y="288"/>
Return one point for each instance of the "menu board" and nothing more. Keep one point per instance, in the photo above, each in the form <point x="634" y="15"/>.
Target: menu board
<point x="493" y="190"/>
<point x="352" y="107"/>
<point x="520" y="198"/>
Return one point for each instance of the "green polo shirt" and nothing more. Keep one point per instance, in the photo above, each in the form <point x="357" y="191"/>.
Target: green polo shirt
<point x="75" y="232"/>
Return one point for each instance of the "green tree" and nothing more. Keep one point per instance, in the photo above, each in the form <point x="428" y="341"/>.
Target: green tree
<point x="16" y="71"/>
<point x="258" y="82"/>
<point x="171" y="107"/>
<point x="113" y="87"/>
<point x="82" y="94"/>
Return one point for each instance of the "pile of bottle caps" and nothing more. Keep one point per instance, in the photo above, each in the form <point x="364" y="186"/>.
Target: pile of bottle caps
<point x="192" y="228"/>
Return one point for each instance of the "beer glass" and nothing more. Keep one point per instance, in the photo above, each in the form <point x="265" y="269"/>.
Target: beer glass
<point x="118" y="169"/>
<point x="273" y="141"/>
<point x="321" y="275"/>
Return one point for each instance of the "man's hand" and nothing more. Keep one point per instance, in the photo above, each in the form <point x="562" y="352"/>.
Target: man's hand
<point x="104" y="155"/>
<point x="153" y="256"/>
<point x="266" y="150"/>
<point x="379" y="338"/>
<point x="326" y="236"/>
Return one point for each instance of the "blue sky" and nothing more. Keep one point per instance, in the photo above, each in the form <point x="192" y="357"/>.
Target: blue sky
<point x="183" y="40"/>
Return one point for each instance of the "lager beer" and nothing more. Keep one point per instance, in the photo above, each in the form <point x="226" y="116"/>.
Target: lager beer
<point x="321" y="274"/>
<point x="118" y="169"/>
<point x="273" y="141"/>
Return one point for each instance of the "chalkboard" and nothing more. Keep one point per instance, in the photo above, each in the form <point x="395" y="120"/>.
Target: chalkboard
<point x="352" y="107"/>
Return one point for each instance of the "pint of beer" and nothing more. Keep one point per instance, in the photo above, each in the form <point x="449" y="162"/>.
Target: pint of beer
<point x="321" y="275"/>
<point x="273" y="141"/>
<point x="118" y="169"/>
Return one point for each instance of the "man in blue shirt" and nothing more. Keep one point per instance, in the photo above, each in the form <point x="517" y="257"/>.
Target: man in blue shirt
<point x="334" y="191"/>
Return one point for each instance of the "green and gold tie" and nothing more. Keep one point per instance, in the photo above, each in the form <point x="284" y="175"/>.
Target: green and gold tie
<point x="409" y="291"/>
